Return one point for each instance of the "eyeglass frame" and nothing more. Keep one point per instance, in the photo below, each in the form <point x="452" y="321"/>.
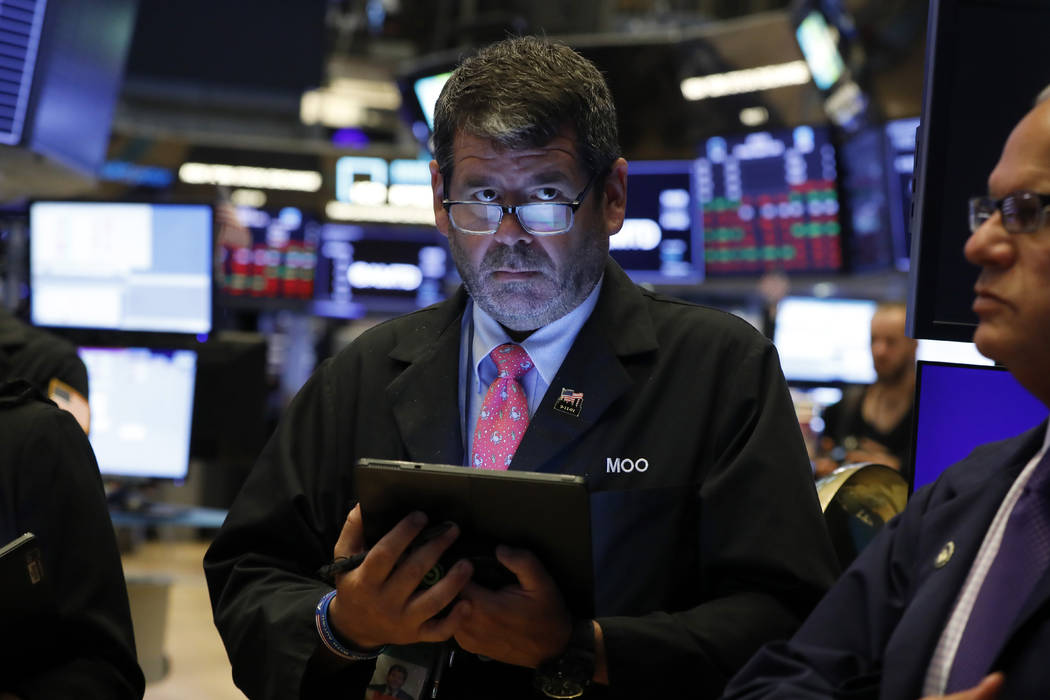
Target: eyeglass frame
<point x="1044" y="203"/>
<point x="504" y="209"/>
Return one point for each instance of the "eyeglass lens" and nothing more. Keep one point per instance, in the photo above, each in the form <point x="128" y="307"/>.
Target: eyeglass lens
<point x="1021" y="211"/>
<point x="536" y="218"/>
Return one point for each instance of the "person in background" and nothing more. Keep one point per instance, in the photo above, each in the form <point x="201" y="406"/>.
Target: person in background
<point x="952" y="598"/>
<point x="707" y="535"/>
<point x="46" y="361"/>
<point x="81" y="645"/>
<point x="874" y="423"/>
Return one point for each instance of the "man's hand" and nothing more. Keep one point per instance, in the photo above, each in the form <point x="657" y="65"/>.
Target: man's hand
<point x="871" y="451"/>
<point x="377" y="603"/>
<point x="521" y="624"/>
<point x="987" y="689"/>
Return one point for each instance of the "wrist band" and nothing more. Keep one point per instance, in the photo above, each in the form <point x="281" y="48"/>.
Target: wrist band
<point x="328" y="637"/>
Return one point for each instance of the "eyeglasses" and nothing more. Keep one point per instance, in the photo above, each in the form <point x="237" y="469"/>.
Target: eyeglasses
<point x="538" y="218"/>
<point x="1023" y="211"/>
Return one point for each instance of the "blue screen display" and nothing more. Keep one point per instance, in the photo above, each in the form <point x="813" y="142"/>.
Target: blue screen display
<point x="959" y="407"/>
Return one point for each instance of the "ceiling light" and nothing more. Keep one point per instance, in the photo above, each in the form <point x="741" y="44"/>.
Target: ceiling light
<point x="250" y="177"/>
<point x="748" y="80"/>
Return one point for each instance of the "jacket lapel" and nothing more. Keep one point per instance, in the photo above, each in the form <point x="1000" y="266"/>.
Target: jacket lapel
<point x="424" y="397"/>
<point x="592" y="367"/>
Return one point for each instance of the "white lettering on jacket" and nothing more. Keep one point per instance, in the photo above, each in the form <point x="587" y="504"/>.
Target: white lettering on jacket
<point x="625" y="465"/>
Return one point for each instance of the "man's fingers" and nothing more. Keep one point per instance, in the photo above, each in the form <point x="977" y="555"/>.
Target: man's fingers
<point x="522" y="563"/>
<point x="385" y="554"/>
<point x="352" y="538"/>
<point x="419" y="563"/>
<point x="439" y="629"/>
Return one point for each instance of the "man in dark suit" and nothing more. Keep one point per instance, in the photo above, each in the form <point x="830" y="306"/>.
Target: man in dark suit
<point x="953" y="597"/>
<point x="707" y="538"/>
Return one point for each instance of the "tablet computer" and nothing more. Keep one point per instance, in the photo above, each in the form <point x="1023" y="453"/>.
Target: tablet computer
<point x="548" y="514"/>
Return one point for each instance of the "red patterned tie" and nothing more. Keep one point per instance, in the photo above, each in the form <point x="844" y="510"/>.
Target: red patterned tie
<point x="504" y="412"/>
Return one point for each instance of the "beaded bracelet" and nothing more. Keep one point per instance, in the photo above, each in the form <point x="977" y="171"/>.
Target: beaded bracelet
<point x="328" y="637"/>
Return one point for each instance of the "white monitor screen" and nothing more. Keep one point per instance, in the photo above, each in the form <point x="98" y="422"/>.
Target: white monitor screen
<point x="141" y="410"/>
<point x="825" y="340"/>
<point x="121" y="266"/>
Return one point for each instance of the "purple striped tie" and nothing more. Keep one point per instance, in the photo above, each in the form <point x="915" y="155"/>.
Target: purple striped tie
<point x="1021" y="561"/>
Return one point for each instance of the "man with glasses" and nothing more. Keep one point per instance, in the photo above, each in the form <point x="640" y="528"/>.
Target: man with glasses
<point x="707" y="536"/>
<point x="953" y="597"/>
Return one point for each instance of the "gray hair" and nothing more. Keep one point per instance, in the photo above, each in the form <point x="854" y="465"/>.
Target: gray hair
<point x="522" y="92"/>
<point x="1043" y="96"/>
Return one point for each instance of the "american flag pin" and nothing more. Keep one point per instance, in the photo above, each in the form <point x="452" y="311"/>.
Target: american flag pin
<point x="570" y="402"/>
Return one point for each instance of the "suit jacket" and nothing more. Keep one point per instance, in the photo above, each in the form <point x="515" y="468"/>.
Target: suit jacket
<point x="876" y="631"/>
<point x="707" y="541"/>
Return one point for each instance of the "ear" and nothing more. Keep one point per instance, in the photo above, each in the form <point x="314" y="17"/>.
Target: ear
<point x="615" y="203"/>
<point x="437" y="186"/>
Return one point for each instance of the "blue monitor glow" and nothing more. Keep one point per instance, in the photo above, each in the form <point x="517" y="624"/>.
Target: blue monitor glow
<point x="825" y="340"/>
<point x="121" y="266"/>
<point x="769" y="201"/>
<point x="959" y="407"/>
<point x="387" y="269"/>
<point x="660" y="241"/>
<point x="141" y="410"/>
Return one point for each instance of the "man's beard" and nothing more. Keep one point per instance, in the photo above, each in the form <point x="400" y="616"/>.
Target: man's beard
<point x="530" y="304"/>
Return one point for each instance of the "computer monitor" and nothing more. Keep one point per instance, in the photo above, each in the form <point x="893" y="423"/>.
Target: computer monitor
<point x="769" y="201"/>
<point x="380" y="269"/>
<point x="660" y="242"/>
<point x="900" y="172"/>
<point x="141" y="410"/>
<point x="825" y="340"/>
<point x="121" y="266"/>
<point x="279" y="261"/>
<point x="867" y="202"/>
<point x="958" y="407"/>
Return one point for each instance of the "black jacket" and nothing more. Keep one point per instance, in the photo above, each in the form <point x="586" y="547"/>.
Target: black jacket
<point x="50" y="486"/>
<point x="717" y="546"/>
<point x="38" y="357"/>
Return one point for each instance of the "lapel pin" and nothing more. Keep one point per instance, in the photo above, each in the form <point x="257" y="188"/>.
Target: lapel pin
<point x="570" y="402"/>
<point x="944" y="555"/>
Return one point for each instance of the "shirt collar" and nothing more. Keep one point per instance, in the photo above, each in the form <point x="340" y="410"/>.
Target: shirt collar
<point x="547" y="346"/>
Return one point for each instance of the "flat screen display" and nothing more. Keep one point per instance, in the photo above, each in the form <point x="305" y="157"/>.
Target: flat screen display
<point x="661" y="241"/>
<point x="959" y="407"/>
<point x="279" y="260"/>
<point x="864" y="186"/>
<point x="141" y="410"/>
<point x="768" y="201"/>
<point x="378" y="268"/>
<point x="121" y="266"/>
<point x="900" y="172"/>
<point x="825" y="340"/>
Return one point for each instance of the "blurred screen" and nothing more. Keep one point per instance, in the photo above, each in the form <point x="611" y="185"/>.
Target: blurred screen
<point x="864" y="185"/>
<point x="900" y="172"/>
<point x="659" y="241"/>
<point x="141" y="410"/>
<point x="279" y="261"/>
<point x="121" y="266"/>
<point x="825" y="340"/>
<point x="769" y="202"/>
<point x="378" y="268"/>
<point x="959" y="407"/>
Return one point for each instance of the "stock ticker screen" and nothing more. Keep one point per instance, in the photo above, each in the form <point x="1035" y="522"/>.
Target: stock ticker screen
<point x="660" y="241"/>
<point x="768" y="201"/>
<point x="279" y="260"/>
